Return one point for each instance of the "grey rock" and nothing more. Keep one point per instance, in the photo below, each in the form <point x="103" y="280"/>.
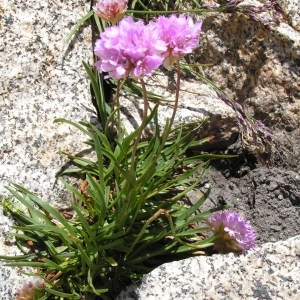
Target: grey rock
<point x="269" y="197"/>
<point x="292" y="8"/>
<point x="269" y="272"/>
<point x="39" y="82"/>
<point x="197" y="101"/>
<point x="256" y="66"/>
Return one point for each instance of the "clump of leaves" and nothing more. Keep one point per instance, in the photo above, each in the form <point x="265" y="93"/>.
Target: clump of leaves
<point x="125" y="223"/>
<point x="130" y="215"/>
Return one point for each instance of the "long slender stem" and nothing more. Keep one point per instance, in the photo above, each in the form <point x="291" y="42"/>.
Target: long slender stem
<point x="165" y="138"/>
<point x="142" y="127"/>
<point x="176" y="96"/>
<point x="116" y="105"/>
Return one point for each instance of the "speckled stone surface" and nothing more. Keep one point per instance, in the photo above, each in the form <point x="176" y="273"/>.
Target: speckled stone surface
<point x="270" y="272"/>
<point x="257" y="66"/>
<point x="38" y="83"/>
<point x="292" y="8"/>
<point x="197" y="101"/>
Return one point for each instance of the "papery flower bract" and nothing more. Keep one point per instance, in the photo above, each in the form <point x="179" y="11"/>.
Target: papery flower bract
<point x="233" y="233"/>
<point x="254" y="134"/>
<point x="181" y="35"/>
<point x="129" y="49"/>
<point x="31" y="290"/>
<point x="111" y="10"/>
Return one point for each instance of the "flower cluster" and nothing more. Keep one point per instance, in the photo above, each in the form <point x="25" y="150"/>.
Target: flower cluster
<point x="31" y="291"/>
<point x="133" y="49"/>
<point x="232" y="232"/>
<point x="180" y="34"/>
<point x="128" y="49"/>
<point x="111" y="10"/>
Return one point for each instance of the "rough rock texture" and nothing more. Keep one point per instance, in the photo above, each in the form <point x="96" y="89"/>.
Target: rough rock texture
<point x="257" y="66"/>
<point x="197" y="101"/>
<point x="292" y="9"/>
<point x="269" y="197"/>
<point x="269" y="272"/>
<point x="39" y="82"/>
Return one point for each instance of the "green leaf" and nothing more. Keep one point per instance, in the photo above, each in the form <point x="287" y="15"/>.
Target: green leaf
<point x="63" y="295"/>
<point x="111" y="261"/>
<point x="77" y="26"/>
<point x="61" y="120"/>
<point x="188" y="212"/>
<point x="97" y="86"/>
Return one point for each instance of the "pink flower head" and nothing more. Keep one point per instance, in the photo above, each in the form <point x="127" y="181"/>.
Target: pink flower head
<point x="232" y="232"/>
<point x="111" y="10"/>
<point x="31" y="290"/>
<point x="181" y="35"/>
<point x="129" y="49"/>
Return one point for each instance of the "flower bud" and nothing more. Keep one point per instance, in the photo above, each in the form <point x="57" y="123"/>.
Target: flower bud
<point x="111" y="10"/>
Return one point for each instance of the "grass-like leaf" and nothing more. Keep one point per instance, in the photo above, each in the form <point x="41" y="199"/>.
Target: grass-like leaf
<point x="77" y="26"/>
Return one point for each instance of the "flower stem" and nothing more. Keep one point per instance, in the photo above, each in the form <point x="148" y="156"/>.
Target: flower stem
<point x="176" y="97"/>
<point x="118" y="105"/>
<point x="115" y="107"/>
<point x="165" y="138"/>
<point x="168" y="12"/>
<point x="142" y="127"/>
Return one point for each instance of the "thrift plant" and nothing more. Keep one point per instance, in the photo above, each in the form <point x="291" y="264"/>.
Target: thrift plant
<point x="111" y="10"/>
<point x="31" y="290"/>
<point x="232" y="232"/>
<point x="180" y="35"/>
<point x="130" y="49"/>
<point x="130" y="213"/>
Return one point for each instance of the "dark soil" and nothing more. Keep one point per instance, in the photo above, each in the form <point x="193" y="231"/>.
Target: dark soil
<point x="267" y="194"/>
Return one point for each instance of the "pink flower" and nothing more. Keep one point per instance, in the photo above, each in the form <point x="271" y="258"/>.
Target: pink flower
<point x="181" y="35"/>
<point x="111" y="10"/>
<point x="129" y="49"/>
<point x="232" y="232"/>
<point x="31" y="290"/>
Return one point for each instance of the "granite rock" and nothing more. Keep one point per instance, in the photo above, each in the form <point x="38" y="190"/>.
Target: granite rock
<point x="257" y="66"/>
<point x="197" y="101"/>
<point x="268" y="272"/>
<point x="292" y="9"/>
<point x="39" y="81"/>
